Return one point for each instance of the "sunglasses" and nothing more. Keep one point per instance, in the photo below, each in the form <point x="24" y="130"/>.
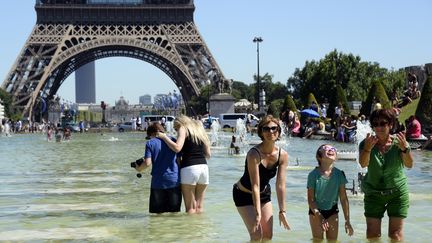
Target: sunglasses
<point x="380" y="124"/>
<point x="329" y="148"/>
<point x="268" y="129"/>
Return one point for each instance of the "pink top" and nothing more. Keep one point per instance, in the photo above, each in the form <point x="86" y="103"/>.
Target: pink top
<point x="296" y="128"/>
<point x="414" y="129"/>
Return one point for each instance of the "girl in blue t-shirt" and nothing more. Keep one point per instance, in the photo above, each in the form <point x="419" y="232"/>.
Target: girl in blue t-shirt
<point x="325" y="185"/>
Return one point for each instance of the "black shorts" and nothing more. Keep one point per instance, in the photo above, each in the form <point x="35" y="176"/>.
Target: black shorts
<point x="327" y="213"/>
<point x="242" y="198"/>
<point x="165" y="200"/>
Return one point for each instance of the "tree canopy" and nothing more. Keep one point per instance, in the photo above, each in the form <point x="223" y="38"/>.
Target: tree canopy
<point x="348" y="71"/>
<point x="10" y="110"/>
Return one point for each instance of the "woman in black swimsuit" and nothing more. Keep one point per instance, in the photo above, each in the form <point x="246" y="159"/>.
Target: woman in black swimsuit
<point x="252" y="193"/>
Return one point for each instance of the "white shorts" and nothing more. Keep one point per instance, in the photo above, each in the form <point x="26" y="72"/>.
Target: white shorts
<point x="195" y="174"/>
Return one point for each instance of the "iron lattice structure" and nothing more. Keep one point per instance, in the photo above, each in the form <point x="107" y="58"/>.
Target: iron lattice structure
<point x="55" y="48"/>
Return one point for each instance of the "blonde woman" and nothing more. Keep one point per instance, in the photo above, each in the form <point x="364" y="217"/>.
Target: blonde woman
<point x="194" y="146"/>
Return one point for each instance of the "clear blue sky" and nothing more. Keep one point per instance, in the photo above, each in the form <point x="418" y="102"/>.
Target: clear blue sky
<point x="393" y="33"/>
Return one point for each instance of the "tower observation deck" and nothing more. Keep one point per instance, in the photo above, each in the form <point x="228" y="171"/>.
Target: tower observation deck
<point x="114" y="11"/>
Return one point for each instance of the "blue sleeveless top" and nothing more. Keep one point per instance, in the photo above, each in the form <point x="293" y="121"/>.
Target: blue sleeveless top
<point x="264" y="173"/>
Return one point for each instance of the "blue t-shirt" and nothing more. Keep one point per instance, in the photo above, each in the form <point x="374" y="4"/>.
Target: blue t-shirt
<point x="326" y="189"/>
<point x="165" y="171"/>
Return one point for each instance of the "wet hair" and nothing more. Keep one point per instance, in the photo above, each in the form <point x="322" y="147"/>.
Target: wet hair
<point x="386" y="114"/>
<point x="154" y="128"/>
<point x="266" y="120"/>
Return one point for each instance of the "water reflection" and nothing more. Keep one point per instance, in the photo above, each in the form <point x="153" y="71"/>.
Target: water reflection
<point x="85" y="190"/>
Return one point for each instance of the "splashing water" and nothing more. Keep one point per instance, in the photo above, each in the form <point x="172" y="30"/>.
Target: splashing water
<point x="214" y="135"/>
<point x="241" y="134"/>
<point x="363" y="128"/>
<point x="284" y="137"/>
<point x="169" y="128"/>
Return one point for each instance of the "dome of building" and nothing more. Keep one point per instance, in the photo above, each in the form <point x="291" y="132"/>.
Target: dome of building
<point x="122" y="104"/>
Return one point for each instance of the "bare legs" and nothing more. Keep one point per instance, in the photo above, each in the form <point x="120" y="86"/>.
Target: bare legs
<point x="265" y="231"/>
<point x="395" y="231"/>
<point x="317" y="230"/>
<point x="193" y="196"/>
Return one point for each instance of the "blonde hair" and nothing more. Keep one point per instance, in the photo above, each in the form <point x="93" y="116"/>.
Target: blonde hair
<point x="194" y="129"/>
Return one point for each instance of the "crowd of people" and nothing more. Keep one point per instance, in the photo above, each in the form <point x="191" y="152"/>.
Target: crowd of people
<point x="341" y="127"/>
<point x="179" y="168"/>
<point x="52" y="131"/>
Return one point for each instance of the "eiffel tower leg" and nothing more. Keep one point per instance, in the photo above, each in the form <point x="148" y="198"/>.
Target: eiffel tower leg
<point x="32" y="67"/>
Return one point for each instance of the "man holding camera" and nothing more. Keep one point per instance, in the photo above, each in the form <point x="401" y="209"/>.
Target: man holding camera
<point x="165" y="193"/>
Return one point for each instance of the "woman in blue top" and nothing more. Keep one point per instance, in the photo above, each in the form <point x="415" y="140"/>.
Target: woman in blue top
<point x="252" y="192"/>
<point x="325" y="185"/>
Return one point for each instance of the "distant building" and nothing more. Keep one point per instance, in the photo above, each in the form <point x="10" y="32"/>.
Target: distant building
<point x="145" y="100"/>
<point x="159" y="97"/>
<point x="85" y="84"/>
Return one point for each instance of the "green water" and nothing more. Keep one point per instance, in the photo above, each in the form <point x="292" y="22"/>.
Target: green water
<point x="85" y="190"/>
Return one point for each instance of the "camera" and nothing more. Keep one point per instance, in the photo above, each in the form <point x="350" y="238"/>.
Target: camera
<point x="137" y="163"/>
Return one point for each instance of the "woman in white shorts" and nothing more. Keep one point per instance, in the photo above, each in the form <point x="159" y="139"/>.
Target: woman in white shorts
<point x="194" y="146"/>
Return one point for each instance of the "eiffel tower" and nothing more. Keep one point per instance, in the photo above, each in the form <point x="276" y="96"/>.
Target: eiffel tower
<point x="71" y="33"/>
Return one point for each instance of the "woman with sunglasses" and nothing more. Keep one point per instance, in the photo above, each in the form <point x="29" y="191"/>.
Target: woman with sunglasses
<point x="385" y="184"/>
<point x="325" y="185"/>
<point x="252" y="193"/>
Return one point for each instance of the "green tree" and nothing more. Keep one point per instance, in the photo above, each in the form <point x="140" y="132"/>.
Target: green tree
<point x="341" y="99"/>
<point x="310" y="100"/>
<point x="337" y="99"/>
<point x="274" y="108"/>
<point x="289" y="104"/>
<point x="376" y="94"/>
<point x="348" y="71"/>
<point x="198" y="104"/>
<point x="266" y="84"/>
<point x="10" y="110"/>
<point x="241" y="90"/>
<point x="424" y="108"/>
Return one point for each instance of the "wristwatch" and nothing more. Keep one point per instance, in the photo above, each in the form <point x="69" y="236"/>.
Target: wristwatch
<point x="406" y="150"/>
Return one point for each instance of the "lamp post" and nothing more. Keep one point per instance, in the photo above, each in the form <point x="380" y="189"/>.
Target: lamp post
<point x="258" y="40"/>
<point x="208" y="96"/>
<point x="103" y="106"/>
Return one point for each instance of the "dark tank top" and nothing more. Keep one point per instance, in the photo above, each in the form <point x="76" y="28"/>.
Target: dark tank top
<point x="192" y="153"/>
<point x="264" y="173"/>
